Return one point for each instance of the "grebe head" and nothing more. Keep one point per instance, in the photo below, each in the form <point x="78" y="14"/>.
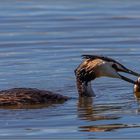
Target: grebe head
<point x="95" y="66"/>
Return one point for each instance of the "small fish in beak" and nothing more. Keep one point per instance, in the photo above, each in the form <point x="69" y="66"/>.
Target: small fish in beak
<point x="137" y="89"/>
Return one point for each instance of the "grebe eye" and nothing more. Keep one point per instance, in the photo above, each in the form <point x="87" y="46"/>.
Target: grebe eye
<point x="114" y="66"/>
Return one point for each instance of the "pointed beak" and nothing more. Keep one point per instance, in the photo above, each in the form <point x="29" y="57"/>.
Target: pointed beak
<point x="127" y="79"/>
<point x="125" y="70"/>
<point x="130" y="72"/>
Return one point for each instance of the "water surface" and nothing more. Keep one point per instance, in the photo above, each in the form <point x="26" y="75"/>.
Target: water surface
<point x="40" y="46"/>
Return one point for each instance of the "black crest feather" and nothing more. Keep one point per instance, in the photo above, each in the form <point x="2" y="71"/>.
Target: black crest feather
<point x="86" y="56"/>
<point x="108" y="59"/>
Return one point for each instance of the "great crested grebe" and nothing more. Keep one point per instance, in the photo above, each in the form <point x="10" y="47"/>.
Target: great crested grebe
<point x="95" y="66"/>
<point x="25" y="96"/>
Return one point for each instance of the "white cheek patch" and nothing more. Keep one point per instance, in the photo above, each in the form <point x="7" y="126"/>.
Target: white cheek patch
<point x="107" y="70"/>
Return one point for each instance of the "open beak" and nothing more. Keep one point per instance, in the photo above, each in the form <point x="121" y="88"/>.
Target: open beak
<point x="129" y="72"/>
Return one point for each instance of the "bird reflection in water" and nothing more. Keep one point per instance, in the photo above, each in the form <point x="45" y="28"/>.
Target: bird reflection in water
<point x="87" y="111"/>
<point x="107" y="127"/>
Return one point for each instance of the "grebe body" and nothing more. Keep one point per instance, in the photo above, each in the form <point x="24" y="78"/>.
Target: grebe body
<point x="22" y="96"/>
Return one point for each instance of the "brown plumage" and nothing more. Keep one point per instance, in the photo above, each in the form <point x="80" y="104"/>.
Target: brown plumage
<point x="88" y="70"/>
<point x="85" y="72"/>
<point x="22" y="96"/>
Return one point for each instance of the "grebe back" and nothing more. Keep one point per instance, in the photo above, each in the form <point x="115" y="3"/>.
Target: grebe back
<point x="21" y="96"/>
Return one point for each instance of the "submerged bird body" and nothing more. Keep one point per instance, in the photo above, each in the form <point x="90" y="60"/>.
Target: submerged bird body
<point x="21" y="96"/>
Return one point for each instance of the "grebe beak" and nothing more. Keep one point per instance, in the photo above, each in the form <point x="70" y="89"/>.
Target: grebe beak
<point x="127" y="79"/>
<point x="125" y="70"/>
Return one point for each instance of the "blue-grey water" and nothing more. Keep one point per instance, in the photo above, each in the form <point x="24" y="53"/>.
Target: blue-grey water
<point x="40" y="46"/>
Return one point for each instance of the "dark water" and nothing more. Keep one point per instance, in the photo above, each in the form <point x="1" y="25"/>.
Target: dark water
<point x="40" y="46"/>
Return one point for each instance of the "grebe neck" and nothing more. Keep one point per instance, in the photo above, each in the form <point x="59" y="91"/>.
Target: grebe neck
<point x="84" y="88"/>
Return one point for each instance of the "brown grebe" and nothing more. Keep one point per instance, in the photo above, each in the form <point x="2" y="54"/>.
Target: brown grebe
<point x="24" y="96"/>
<point x="94" y="66"/>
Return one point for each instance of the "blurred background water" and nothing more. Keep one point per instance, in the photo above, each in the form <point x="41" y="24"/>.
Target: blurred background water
<point x="40" y="46"/>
